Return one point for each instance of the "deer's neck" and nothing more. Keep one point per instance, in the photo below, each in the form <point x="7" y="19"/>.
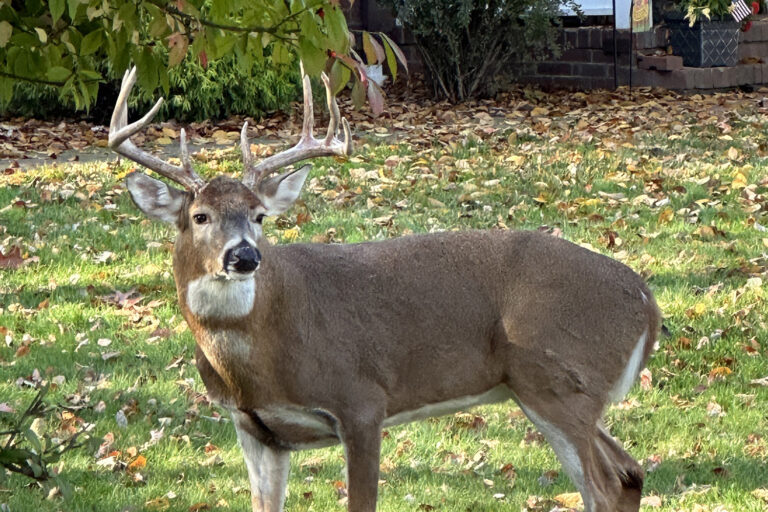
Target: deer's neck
<point x="233" y="322"/>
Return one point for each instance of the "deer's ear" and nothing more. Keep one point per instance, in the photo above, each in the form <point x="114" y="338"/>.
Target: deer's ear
<point x="155" y="198"/>
<point x="278" y="193"/>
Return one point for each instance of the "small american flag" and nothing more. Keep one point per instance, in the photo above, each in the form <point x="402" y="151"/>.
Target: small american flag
<point x="740" y="10"/>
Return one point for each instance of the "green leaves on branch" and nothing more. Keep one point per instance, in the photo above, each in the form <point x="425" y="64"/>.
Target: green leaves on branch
<point x="28" y="450"/>
<point x="75" y="44"/>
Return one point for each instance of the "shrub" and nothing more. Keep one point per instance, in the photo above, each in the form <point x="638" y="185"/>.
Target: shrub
<point x="223" y="89"/>
<point x="466" y="44"/>
<point x="195" y="93"/>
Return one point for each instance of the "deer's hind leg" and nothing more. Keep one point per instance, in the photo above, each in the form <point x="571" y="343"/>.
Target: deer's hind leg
<point x="608" y="479"/>
<point x="558" y="399"/>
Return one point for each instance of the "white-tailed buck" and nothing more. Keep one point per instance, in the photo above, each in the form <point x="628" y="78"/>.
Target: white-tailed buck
<point x="309" y="345"/>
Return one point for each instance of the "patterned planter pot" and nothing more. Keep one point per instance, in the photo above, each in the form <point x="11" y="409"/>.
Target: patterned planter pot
<point x="708" y="43"/>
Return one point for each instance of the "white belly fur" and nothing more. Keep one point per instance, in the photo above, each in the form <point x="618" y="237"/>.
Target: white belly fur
<point x="493" y="395"/>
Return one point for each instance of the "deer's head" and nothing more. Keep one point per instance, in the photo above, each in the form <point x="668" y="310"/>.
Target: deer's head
<point x="219" y="222"/>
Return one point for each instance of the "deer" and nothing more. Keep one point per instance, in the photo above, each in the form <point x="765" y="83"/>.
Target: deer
<point x="311" y="345"/>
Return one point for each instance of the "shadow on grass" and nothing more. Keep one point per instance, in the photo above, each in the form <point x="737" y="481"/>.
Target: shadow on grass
<point x="88" y="293"/>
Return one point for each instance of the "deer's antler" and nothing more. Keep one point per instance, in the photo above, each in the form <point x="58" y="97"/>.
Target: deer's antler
<point x="120" y="133"/>
<point x="308" y="146"/>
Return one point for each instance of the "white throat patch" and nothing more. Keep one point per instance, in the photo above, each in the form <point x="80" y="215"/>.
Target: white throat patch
<point x="212" y="297"/>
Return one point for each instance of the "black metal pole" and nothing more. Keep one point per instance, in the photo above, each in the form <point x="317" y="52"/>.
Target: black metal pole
<point x="632" y="48"/>
<point x="615" y="50"/>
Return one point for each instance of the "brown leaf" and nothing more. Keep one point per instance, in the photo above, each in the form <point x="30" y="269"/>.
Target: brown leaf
<point x="646" y="380"/>
<point x="12" y="259"/>
<point x="508" y="471"/>
<point x="533" y="437"/>
<point x="303" y="218"/>
<point x="341" y="488"/>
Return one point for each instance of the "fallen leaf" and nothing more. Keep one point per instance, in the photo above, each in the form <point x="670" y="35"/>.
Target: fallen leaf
<point x="570" y="499"/>
<point x="161" y="503"/>
<point x="548" y="478"/>
<point x="139" y="462"/>
<point x="761" y="494"/>
<point x="110" y="355"/>
<point x="719" y="373"/>
<point x="12" y="259"/>
<point x="651" y="501"/>
<point x="646" y="380"/>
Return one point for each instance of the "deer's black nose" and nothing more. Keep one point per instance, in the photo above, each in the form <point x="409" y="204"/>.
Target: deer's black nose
<point x="242" y="258"/>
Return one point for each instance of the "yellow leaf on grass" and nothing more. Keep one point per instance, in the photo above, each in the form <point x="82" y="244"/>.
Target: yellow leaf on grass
<point x="739" y="180"/>
<point x="666" y="215"/>
<point x="719" y="373"/>
<point x="570" y="500"/>
<point x="733" y="153"/>
<point x="292" y="234"/>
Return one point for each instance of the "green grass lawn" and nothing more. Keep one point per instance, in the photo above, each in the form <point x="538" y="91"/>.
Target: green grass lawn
<point x="681" y="201"/>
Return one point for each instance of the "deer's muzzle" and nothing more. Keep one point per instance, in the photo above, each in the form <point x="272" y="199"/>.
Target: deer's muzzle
<point x="242" y="258"/>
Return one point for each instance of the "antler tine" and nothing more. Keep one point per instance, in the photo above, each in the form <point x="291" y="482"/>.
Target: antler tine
<point x="186" y="162"/>
<point x="333" y="109"/>
<point x="308" y="146"/>
<point x="308" y="127"/>
<point x="120" y="133"/>
<point x="333" y="125"/>
<point x="245" y="146"/>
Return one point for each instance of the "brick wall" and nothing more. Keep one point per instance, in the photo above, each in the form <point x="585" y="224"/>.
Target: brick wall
<point x="588" y="62"/>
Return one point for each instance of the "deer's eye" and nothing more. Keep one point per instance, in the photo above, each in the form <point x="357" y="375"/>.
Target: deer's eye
<point x="200" y="218"/>
<point x="259" y="218"/>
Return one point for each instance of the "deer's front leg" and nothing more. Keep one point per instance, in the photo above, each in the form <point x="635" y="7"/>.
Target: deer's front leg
<point x="267" y="468"/>
<point x="362" y="444"/>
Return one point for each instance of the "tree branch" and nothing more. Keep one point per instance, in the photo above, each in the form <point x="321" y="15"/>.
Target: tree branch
<point x="31" y="80"/>
<point x="169" y="9"/>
